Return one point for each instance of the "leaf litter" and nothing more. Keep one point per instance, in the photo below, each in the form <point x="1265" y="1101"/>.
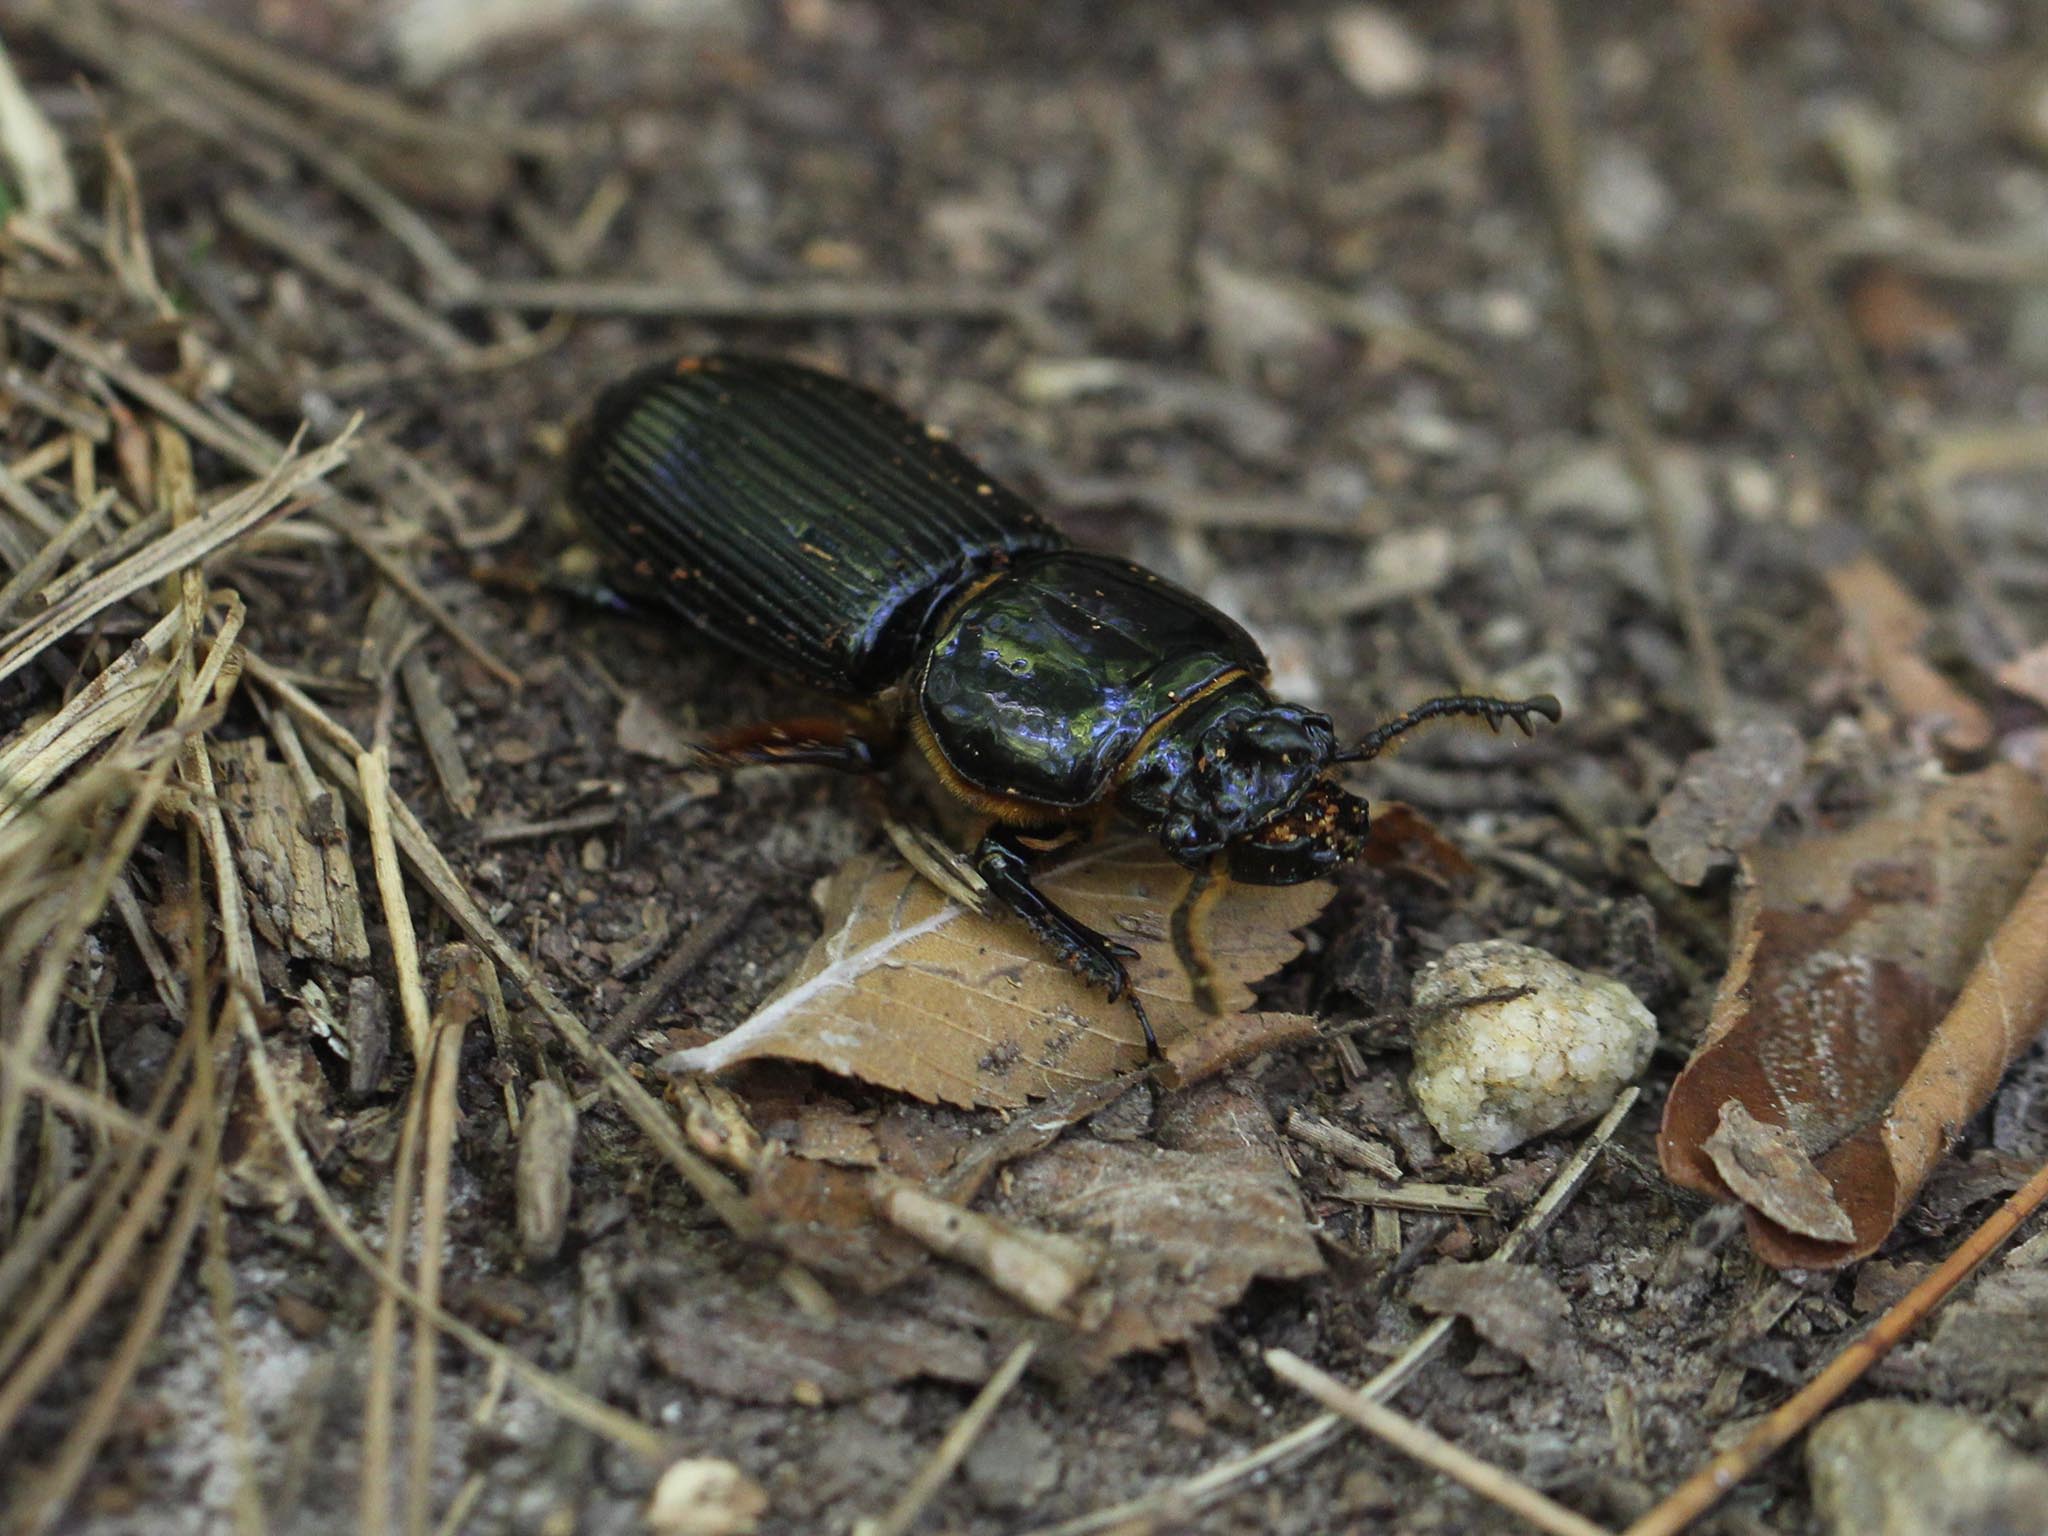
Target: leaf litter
<point x="910" y="991"/>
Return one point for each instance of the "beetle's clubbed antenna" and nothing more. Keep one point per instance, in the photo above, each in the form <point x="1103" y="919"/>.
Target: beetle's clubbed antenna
<point x="1469" y="706"/>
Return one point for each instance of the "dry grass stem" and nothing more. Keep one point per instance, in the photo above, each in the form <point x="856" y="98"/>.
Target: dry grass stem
<point x="337" y="748"/>
<point x="1804" y="276"/>
<point x="461" y="1001"/>
<point x="1712" y="1482"/>
<point x="1431" y="1449"/>
<point x="952" y="1450"/>
<point x="1180" y="1500"/>
<point x="1550" y="107"/>
<point x="291" y="74"/>
<point x="598" y="1417"/>
<point x="373" y="1510"/>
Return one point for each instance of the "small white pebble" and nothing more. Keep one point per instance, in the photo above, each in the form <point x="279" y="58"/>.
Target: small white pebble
<point x="1492" y="1077"/>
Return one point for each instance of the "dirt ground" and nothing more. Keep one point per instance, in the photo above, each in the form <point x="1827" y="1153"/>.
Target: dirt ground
<point x="1298" y="337"/>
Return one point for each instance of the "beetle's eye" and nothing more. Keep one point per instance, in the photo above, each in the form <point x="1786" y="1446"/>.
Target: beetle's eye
<point x="1185" y="841"/>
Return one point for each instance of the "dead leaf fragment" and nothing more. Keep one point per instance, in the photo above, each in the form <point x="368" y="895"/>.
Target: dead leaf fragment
<point x="911" y="992"/>
<point x="1883" y="628"/>
<point x="645" y="731"/>
<point x="1515" y="1307"/>
<point x="757" y="1347"/>
<point x="1882" y="978"/>
<point x="1181" y="1227"/>
<point x="1723" y="799"/>
<point x="1771" y="1173"/>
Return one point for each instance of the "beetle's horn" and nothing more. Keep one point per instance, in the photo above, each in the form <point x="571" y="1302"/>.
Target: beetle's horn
<point x="1469" y="706"/>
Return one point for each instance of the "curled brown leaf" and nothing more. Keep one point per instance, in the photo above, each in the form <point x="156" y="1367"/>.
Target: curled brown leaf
<point x="1882" y="980"/>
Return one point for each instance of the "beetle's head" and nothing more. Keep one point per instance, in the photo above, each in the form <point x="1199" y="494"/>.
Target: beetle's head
<point x="1250" y="768"/>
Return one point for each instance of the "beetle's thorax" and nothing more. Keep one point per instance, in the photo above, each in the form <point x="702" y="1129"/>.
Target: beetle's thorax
<point x="1226" y="764"/>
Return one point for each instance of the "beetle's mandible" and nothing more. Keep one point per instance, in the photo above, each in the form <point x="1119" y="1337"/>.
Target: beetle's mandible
<point x="816" y="527"/>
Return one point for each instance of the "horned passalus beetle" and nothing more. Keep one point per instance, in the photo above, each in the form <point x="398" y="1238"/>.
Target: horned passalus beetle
<point x="819" y="529"/>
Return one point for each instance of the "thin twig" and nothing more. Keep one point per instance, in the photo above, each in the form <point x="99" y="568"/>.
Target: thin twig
<point x="952" y="1450"/>
<point x="373" y="1510"/>
<point x="1804" y="275"/>
<point x="1431" y="1448"/>
<point x="289" y="74"/>
<point x="320" y="258"/>
<point x="1550" y="109"/>
<point x="335" y="746"/>
<point x="259" y="453"/>
<point x="692" y="950"/>
<point x="648" y="1444"/>
<point x="459" y="1005"/>
<point x="742" y="301"/>
<point x="1712" y="1482"/>
<point x="1180" y="1500"/>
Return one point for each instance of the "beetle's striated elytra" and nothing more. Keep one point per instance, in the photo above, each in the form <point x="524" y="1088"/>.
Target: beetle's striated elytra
<point x="817" y="528"/>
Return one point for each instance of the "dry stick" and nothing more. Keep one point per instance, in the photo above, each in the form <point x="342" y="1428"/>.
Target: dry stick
<point x="373" y="1509"/>
<point x="47" y="1499"/>
<point x="1550" y="111"/>
<point x="42" y="565"/>
<point x="458" y="1006"/>
<point x="40" y="1005"/>
<point x="108" y="1182"/>
<point x="225" y="521"/>
<point x="291" y="75"/>
<point x="250" y="1519"/>
<point x="336" y="747"/>
<point x="1182" y="1499"/>
<point x="1804" y="276"/>
<point x="571" y="1403"/>
<point x="1431" y="1448"/>
<point x="330" y="267"/>
<point x="259" y="454"/>
<point x="1708" y="1486"/>
<point x="959" y="1440"/>
<point x="742" y="301"/>
<point x="373" y="777"/>
<point x="198" y="1114"/>
<point x="153" y="65"/>
<point x="706" y="934"/>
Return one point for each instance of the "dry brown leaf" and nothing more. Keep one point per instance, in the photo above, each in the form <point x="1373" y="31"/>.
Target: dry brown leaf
<point x="1515" y="1307"/>
<point x="1771" y="1173"/>
<point x="908" y="991"/>
<point x="1402" y="838"/>
<point x="1723" y="799"/>
<point x="1873" y="1000"/>
<point x="757" y="1347"/>
<point x="1182" y="1226"/>
<point x="1895" y="316"/>
<point x="1883" y="626"/>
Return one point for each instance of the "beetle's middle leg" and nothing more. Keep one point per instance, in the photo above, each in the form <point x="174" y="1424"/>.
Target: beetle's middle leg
<point x="857" y="744"/>
<point x="1004" y="863"/>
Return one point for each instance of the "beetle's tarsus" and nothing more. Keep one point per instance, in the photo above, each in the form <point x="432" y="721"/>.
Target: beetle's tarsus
<point x="859" y="745"/>
<point x="1005" y="864"/>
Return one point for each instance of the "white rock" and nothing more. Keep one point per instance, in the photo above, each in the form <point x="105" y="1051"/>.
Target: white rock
<point x="705" y="1496"/>
<point x="1626" y="202"/>
<point x="1492" y="1077"/>
<point x="1377" y="53"/>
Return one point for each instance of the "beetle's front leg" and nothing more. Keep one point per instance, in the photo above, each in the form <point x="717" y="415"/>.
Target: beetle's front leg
<point x="1004" y="864"/>
<point x="857" y="745"/>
